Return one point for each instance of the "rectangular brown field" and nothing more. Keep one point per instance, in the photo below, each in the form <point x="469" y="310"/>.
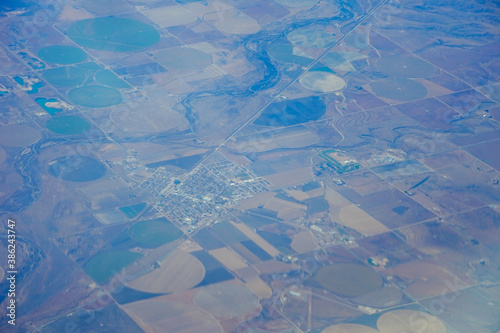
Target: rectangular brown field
<point x="256" y="200"/>
<point x="228" y="258"/>
<point x="259" y="287"/>
<point x="291" y="214"/>
<point x="299" y="195"/>
<point x="175" y="155"/>
<point x="296" y="138"/>
<point x="346" y="213"/>
<point x="273" y="252"/>
<point x="107" y="185"/>
<point x="290" y="177"/>
<point x="287" y="210"/>
<point x="278" y="205"/>
<point x="273" y="267"/>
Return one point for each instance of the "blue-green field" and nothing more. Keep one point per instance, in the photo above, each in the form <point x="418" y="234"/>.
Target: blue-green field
<point x="399" y="89"/>
<point x="292" y="112"/>
<point x="113" y="34"/>
<point x="62" y="54"/>
<point x="95" y="96"/>
<point x="68" y="125"/>
<point x="76" y="168"/>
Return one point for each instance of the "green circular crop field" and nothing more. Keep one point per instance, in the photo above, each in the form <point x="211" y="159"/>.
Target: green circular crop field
<point x="76" y="168"/>
<point x="95" y="96"/>
<point x="67" y="76"/>
<point x="62" y="54"/>
<point x="113" y="34"/>
<point x="68" y="125"/>
<point x="399" y="89"/>
<point x="153" y="233"/>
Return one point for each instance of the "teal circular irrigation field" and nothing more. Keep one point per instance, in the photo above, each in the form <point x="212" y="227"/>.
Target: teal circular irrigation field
<point x="66" y="76"/>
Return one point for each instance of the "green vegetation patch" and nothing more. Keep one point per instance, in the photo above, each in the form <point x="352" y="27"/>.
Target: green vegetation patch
<point x="316" y="205"/>
<point x="113" y="34"/>
<point x="106" y="264"/>
<point x="62" y="54"/>
<point x="348" y="279"/>
<point x="228" y="233"/>
<point x="399" y="89"/>
<point x="284" y="53"/>
<point x="76" y="168"/>
<point x="341" y="60"/>
<point x="279" y="240"/>
<point x="310" y="186"/>
<point x="292" y="112"/>
<point x="153" y="233"/>
<point x="88" y="73"/>
<point x="95" y="96"/>
<point x="133" y="210"/>
<point x="66" y="76"/>
<point x="68" y="125"/>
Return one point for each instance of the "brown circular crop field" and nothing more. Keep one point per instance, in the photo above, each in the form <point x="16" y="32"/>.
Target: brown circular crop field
<point x="382" y="298"/>
<point x="349" y="328"/>
<point x="409" y="321"/>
